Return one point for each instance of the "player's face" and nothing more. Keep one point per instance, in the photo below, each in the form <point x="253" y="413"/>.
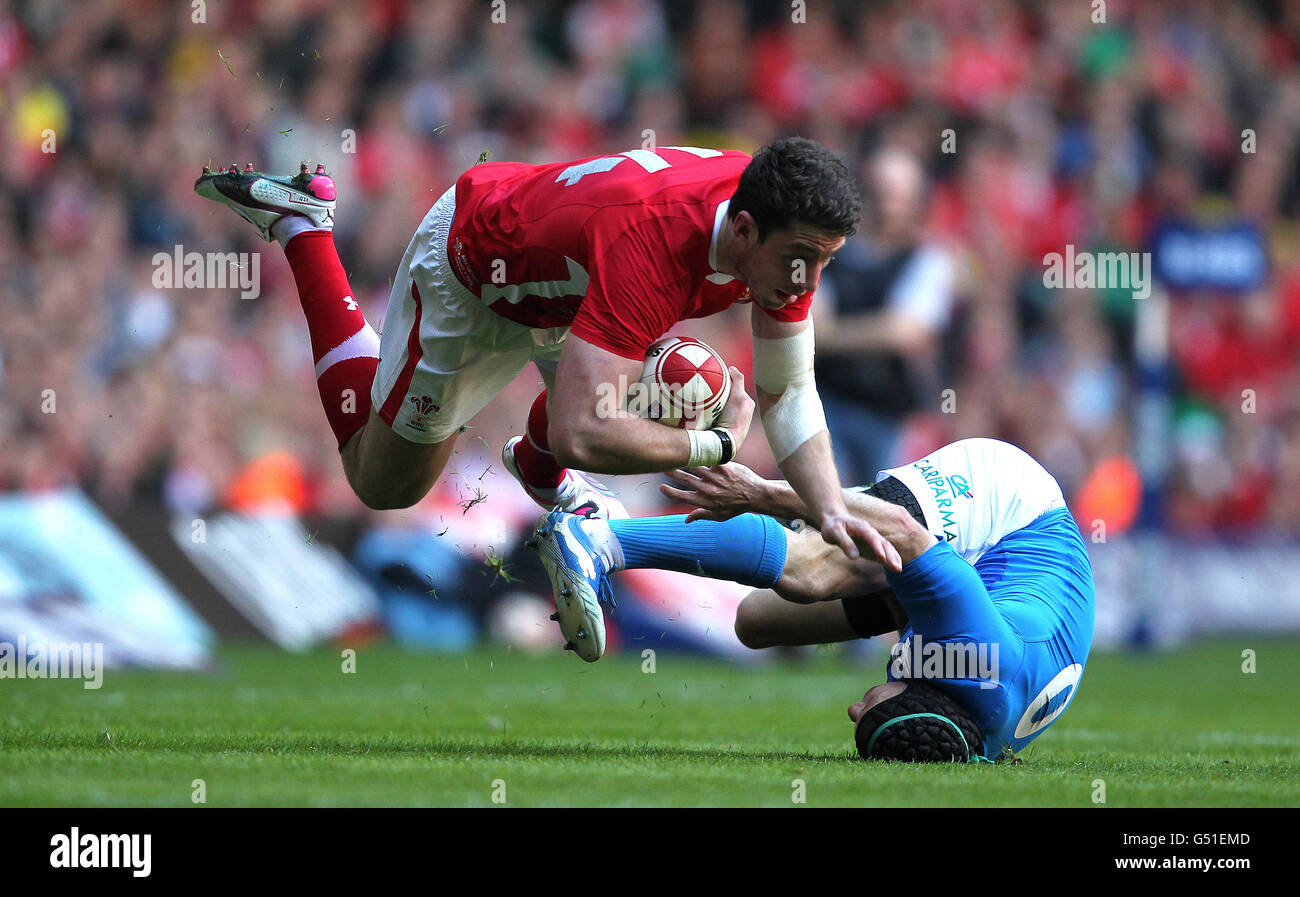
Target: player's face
<point x="787" y="264"/>
<point x="874" y="696"/>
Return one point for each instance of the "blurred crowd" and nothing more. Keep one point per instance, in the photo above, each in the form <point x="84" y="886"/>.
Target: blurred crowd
<point x="1032" y="126"/>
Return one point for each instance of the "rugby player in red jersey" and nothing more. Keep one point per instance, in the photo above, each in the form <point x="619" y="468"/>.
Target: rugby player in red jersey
<point x="577" y="267"/>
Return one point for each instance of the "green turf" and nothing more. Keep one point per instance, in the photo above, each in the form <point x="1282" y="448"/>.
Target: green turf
<point x="1186" y="728"/>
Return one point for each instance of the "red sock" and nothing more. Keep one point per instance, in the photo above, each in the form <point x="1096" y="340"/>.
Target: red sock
<point x="344" y="347"/>
<point x="533" y="453"/>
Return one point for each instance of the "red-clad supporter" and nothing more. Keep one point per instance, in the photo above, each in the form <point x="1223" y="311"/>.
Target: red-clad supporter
<point x="1063" y="133"/>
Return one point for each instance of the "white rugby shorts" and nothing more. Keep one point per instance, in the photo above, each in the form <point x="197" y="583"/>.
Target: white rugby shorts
<point x="443" y="354"/>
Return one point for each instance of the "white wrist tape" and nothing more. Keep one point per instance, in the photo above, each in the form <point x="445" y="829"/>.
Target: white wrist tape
<point x="784" y="367"/>
<point x="706" y="448"/>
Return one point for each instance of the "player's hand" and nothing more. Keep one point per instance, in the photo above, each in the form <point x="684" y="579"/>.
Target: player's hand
<point x="739" y="411"/>
<point x="718" y="493"/>
<point x="849" y="533"/>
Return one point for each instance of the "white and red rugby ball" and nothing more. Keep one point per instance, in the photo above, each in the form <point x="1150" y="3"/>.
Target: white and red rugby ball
<point x="684" y="383"/>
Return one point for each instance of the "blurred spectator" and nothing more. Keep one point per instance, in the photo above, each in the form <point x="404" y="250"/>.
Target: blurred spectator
<point x="1068" y="132"/>
<point x="881" y="309"/>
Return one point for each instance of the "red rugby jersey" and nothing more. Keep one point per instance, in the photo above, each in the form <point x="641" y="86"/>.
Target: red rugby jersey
<point x="618" y="248"/>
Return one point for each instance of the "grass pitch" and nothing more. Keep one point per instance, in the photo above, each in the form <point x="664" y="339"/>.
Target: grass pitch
<point x="1186" y="728"/>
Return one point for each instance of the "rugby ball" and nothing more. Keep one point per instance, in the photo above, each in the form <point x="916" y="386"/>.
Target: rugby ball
<point x="684" y="383"/>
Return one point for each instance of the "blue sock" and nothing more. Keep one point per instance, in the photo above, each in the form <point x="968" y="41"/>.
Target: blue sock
<point x="749" y="549"/>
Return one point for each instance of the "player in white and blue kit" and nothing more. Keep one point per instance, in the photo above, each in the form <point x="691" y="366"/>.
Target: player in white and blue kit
<point x="986" y="576"/>
<point x="1009" y="569"/>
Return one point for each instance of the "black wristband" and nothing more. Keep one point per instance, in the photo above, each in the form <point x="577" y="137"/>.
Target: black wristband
<point x="728" y="447"/>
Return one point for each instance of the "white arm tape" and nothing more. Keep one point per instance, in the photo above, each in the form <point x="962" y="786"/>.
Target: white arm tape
<point x="785" y="367"/>
<point x="795" y="418"/>
<point x="780" y="362"/>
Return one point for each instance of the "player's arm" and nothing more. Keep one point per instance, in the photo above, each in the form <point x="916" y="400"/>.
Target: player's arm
<point x="719" y="493"/>
<point x="796" y="429"/>
<point x="786" y="503"/>
<point x="590" y="428"/>
<point x="636" y="293"/>
<point x="722" y="492"/>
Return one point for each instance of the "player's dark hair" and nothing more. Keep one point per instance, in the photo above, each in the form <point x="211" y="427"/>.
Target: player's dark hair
<point x="795" y="179"/>
<point x="921" y="724"/>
